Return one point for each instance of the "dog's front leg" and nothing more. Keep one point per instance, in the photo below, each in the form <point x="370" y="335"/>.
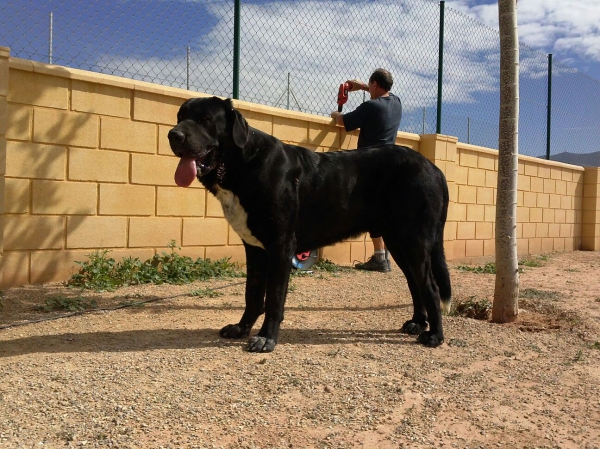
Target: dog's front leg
<point x="279" y="267"/>
<point x="256" y="284"/>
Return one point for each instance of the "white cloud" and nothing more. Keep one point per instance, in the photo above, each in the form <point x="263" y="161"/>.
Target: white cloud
<point x="323" y="43"/>
<point x="563" y="27"/>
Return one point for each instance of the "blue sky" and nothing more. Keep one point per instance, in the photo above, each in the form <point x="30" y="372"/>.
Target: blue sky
<point x="317" y="44"/>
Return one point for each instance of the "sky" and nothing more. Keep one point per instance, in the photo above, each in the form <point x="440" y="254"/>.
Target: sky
<point x="295" y="53"/>
<point x="569" y="29"/>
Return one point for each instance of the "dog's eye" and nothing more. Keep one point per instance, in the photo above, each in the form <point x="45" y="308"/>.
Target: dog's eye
<point x="204" y="118"/>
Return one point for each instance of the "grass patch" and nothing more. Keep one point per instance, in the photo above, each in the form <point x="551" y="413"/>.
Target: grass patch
<point x="62" y="303"/>
<point x="102" y="273"/>
<point x="479" y="309"/>
<point x="595" y="345"/>
<point x="205" y="293"/>
<point x="534" y="261"/>
<point x="488" y="268"/>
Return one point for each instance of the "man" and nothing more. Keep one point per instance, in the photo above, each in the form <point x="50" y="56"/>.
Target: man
<point x="378" y="120"/>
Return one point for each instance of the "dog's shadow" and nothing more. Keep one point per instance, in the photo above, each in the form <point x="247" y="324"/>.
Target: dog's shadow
<point x="156" y="339"/>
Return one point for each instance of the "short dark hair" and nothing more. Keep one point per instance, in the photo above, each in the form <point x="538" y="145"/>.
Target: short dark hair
<point x="383" y="78"/>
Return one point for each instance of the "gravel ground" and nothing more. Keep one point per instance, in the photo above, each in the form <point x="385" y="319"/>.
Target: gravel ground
<point x="159" y="376"/>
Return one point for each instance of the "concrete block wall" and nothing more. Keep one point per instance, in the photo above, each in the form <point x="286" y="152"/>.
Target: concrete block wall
<point x="591" y="210"/>
<point x="85" y="164"/>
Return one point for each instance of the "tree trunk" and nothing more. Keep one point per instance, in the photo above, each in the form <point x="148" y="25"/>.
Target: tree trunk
<point x="506" y="292"/>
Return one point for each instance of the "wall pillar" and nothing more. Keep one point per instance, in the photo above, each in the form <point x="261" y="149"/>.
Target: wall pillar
<point x="590" y="228"/>
<point x="441" y="150"/>
<point x="4" y="55"/>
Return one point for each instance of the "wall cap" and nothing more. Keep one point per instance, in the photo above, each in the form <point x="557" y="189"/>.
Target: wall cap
<point x="522" y="157"/>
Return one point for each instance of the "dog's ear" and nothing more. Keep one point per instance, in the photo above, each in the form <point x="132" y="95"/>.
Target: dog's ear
<point x="240" y="126"/>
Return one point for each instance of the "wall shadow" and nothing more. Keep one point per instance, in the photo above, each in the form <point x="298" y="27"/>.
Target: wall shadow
<point x="43" y="227"/>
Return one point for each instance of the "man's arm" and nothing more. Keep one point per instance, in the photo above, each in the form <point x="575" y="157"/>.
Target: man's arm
<point x="338" y="117"/>
<point x="354" y="86"/>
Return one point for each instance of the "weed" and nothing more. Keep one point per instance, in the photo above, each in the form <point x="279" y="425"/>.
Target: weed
<point x="205" y="293"/>
<point x="66" y="435"/>
<point x="595" y="345"/>
<point x="457" y="342"/>
<point x="103" y="273"/>
<point x="328" y="266"/>
<point x="488" y="268"/>
<point x="55" y="303"/>
<point x="578" y="356"/>
<point x="532" y="293"/>
<point x="478" y="309"/>
<point x="301" y="273"/>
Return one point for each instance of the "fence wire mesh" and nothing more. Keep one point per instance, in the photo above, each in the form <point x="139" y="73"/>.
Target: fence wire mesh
<point x="294" y="54"/>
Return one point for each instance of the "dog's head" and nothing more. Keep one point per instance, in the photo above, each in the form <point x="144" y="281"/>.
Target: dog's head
<point x="205" y="127"/>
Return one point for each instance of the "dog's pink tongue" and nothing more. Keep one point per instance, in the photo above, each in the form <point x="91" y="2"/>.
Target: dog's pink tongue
<point x="186" y="172"/>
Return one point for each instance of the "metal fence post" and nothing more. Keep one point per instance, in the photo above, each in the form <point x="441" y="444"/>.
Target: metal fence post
<point x="549" y="112"/>
<point x="187" y="69"/>
<point x="236" y="50"/>
<point x="51" y="35"/>
<point x="438" y="126"/>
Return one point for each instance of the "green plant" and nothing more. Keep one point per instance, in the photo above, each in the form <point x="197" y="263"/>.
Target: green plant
<point x="595" y="345"/>
<point x="205" y="293"/>
<point x="55" y="303"/>
<point x="478" y="309"/>
<point x="488" y="268"/>
<point x="103" y="273"/>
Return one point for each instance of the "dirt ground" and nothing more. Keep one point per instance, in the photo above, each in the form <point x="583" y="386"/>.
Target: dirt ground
<point x="159" y="376"/>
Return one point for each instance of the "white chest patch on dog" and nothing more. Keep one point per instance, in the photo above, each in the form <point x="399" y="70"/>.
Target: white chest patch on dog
<point x="236" y="216"/>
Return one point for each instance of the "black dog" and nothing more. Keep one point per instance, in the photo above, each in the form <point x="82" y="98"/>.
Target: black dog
<point x="284" y="199"/>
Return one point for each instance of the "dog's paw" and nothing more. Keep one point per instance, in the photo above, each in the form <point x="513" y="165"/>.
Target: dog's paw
<point x="413" y="328"/>
<point x="234" y="331"/>
<point x="430" y="339"/>
<point x="261" y="344"/>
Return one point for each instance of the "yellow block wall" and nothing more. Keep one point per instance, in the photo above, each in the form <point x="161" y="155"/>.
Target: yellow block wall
<point x="85" y="164"/>
<point x="549" y="204"/>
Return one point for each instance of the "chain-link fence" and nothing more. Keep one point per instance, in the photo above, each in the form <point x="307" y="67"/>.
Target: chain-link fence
<point x="294" y="54"/>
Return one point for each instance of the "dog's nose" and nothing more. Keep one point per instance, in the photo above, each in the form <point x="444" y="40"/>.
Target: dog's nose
<point x="176" y="136"/>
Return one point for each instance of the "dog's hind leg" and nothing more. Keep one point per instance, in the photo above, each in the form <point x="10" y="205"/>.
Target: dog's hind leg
<point x="256" y="284"/>
<point x="418" y="322"/>
<point x="415" y="262"/>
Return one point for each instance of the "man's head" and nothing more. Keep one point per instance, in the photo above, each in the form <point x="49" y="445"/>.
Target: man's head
<point x="380" y="83"/>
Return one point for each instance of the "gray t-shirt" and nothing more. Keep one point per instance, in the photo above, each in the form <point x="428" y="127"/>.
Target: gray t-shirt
<point x="377" y="119"/>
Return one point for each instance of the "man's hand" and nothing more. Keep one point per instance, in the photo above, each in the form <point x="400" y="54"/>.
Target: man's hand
<point x="338" y="117"/>
<point x="357" y="85"/>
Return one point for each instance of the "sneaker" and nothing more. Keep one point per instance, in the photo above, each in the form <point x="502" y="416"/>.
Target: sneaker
<point x="375" y="265"/>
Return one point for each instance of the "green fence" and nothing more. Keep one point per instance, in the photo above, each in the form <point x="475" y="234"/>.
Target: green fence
<point x="294" y="54"/>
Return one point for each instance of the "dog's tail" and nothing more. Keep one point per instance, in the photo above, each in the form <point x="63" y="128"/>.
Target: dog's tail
<point x="438" y="258"/>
